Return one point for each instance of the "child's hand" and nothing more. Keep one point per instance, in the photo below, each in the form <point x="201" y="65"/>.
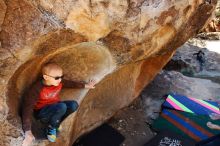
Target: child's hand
<point x="28" y="139"/>
<point x="90" y="84"/>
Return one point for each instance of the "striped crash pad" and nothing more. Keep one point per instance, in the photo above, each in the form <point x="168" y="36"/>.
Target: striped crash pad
<point x="169" y="138"/>
<point x="186" y="124"/>
<point x="191" y="105"/>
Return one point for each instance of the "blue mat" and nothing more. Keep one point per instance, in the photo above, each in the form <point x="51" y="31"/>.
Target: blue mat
<point x="190" y="105"/>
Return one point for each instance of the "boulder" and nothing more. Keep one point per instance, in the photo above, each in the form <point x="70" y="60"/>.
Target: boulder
<point x="121" y="44"/>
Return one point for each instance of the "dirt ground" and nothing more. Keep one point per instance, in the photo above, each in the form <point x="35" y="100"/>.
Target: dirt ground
<point x="131" y="122"/>
<point x="127" y="128"/>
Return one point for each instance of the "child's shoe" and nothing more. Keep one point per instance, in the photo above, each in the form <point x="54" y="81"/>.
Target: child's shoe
<point x="58" y="129"/>
<point x="51" y="134"/>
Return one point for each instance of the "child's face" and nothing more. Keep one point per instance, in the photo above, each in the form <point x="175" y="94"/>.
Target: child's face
<point x="54" y="77"/>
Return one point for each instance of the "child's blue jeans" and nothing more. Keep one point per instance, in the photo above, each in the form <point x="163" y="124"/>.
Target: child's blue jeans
<point x="54" y="114"/>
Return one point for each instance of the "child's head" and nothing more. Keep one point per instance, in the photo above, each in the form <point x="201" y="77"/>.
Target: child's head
<point x="52" y="74"/>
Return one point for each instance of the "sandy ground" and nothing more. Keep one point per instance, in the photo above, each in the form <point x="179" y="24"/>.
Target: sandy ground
<point x="131" y="122"/>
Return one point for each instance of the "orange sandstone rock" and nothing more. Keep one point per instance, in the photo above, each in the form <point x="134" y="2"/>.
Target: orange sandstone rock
<point x="122" y="44"/>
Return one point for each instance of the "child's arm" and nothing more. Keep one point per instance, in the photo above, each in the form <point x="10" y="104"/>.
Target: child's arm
<point x="72" y="84"/>
<point x="29" y="101"/>
<point x="75" y="84"/>
<point x="27" y="110"/>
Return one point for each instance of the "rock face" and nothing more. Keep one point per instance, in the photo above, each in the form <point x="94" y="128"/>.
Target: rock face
<point x="184" y="61"/>
<point x="122" y="44"/>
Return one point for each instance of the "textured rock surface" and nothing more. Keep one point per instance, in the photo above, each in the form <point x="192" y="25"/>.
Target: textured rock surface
<point x="185" y="54"/>
<point x="2" y="12"/>
<point x="121" y="44"/>
<point x="184" y="61"/>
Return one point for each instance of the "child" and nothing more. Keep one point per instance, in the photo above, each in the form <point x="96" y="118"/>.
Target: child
<point x="43" y="101"/>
